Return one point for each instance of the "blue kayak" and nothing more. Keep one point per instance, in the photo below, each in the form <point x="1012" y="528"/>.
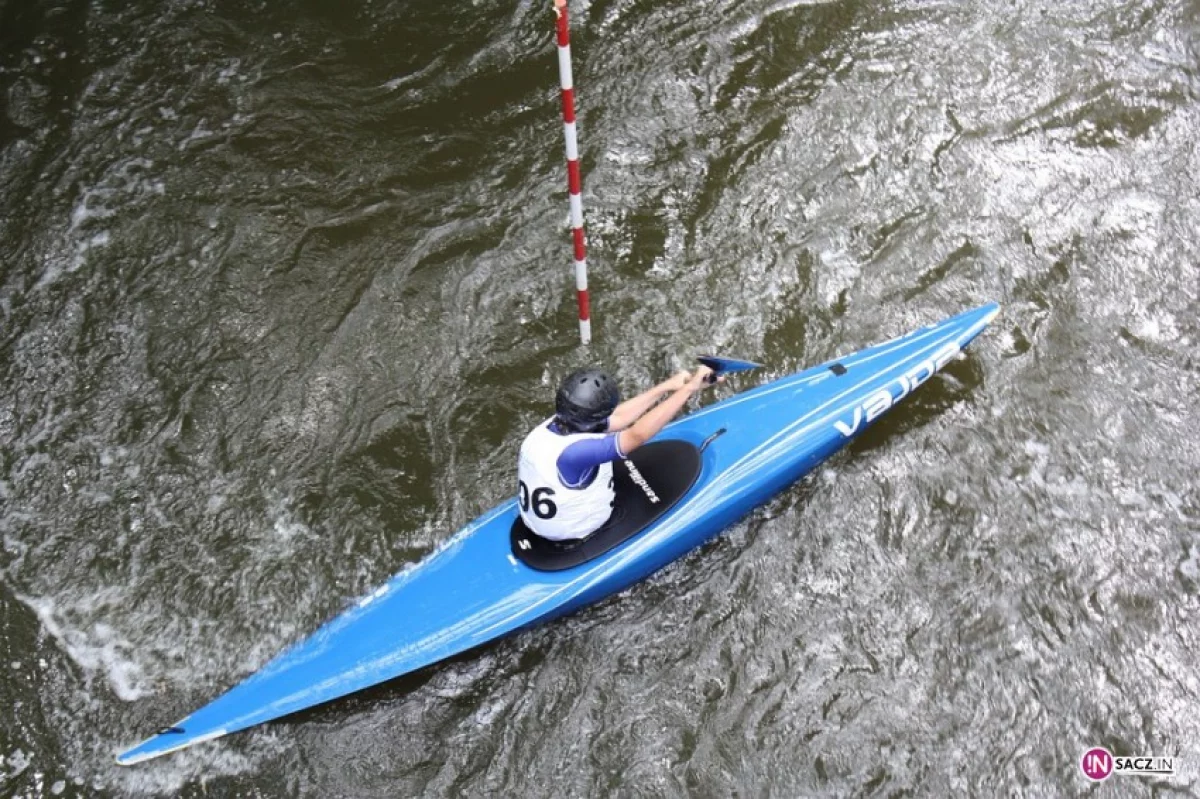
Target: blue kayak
<point x="476" y="588"/>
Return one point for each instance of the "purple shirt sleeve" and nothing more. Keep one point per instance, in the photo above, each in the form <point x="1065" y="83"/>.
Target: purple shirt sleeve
<point x="577" y="463"/>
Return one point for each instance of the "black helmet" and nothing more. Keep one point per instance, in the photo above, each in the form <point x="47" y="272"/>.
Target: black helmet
<point x="585" y="400"/>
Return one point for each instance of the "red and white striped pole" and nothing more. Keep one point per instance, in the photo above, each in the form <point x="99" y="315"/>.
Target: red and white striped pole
<point x="574" y="182"/>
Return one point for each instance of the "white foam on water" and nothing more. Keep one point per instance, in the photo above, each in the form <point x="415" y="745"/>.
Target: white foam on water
<point x="229" y="72"/>
<point x="285" y="533"/>
<point x="1159" y="327"/>
<point x="1036" y="448"/>
<point x="199" y="133"/>
<point x="14" y="763"/>
<point x="32" y="462"/>
<point x="124" y="181"/>
<point x="15" y="547"/>
<point x="168" y="775"/>
<point x="85" y="209"/>
<point x="403" y="80"/>
<point x="1006" y="341"/>
<point x="84" y="247"/>
<point x="839" y="272"/>
<point x="96" y="648"/>
<point x="1190" y="568"/>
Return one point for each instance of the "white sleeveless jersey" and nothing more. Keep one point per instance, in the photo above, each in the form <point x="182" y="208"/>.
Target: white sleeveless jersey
<point x="549" y="507"/>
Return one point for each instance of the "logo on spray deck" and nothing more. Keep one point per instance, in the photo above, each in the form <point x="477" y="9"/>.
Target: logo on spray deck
<point x="870" y="409"/>
<point x="637" y="478"/>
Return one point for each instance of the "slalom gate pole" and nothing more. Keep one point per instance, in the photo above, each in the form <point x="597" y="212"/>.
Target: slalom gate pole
<point x="574" y="182"/>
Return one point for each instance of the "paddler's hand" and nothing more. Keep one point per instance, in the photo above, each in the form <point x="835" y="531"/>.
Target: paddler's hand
<point x="703" y="378"/>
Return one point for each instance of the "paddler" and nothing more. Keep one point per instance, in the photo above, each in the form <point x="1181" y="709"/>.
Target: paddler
<point x="564" y="474"/>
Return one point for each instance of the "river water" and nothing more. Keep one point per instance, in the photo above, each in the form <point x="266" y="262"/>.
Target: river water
<point x="282" y="287"/>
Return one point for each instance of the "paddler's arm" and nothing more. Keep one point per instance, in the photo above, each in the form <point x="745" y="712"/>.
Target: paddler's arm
<point x="657" y="417"/>
<point x="632" y="409"/>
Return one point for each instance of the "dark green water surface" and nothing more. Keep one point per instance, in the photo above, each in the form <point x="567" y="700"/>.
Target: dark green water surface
<point x="283" y="285"/>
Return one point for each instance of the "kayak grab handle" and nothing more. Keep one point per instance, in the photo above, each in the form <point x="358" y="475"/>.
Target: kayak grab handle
<point x="171" y="730"/>
<point x="711" y="439"/>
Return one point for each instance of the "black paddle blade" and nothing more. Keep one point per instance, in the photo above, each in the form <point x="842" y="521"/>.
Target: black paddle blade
<point x="722" y="366"/>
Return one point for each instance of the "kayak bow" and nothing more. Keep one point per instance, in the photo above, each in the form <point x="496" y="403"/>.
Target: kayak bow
<point x="472" y="590"/>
